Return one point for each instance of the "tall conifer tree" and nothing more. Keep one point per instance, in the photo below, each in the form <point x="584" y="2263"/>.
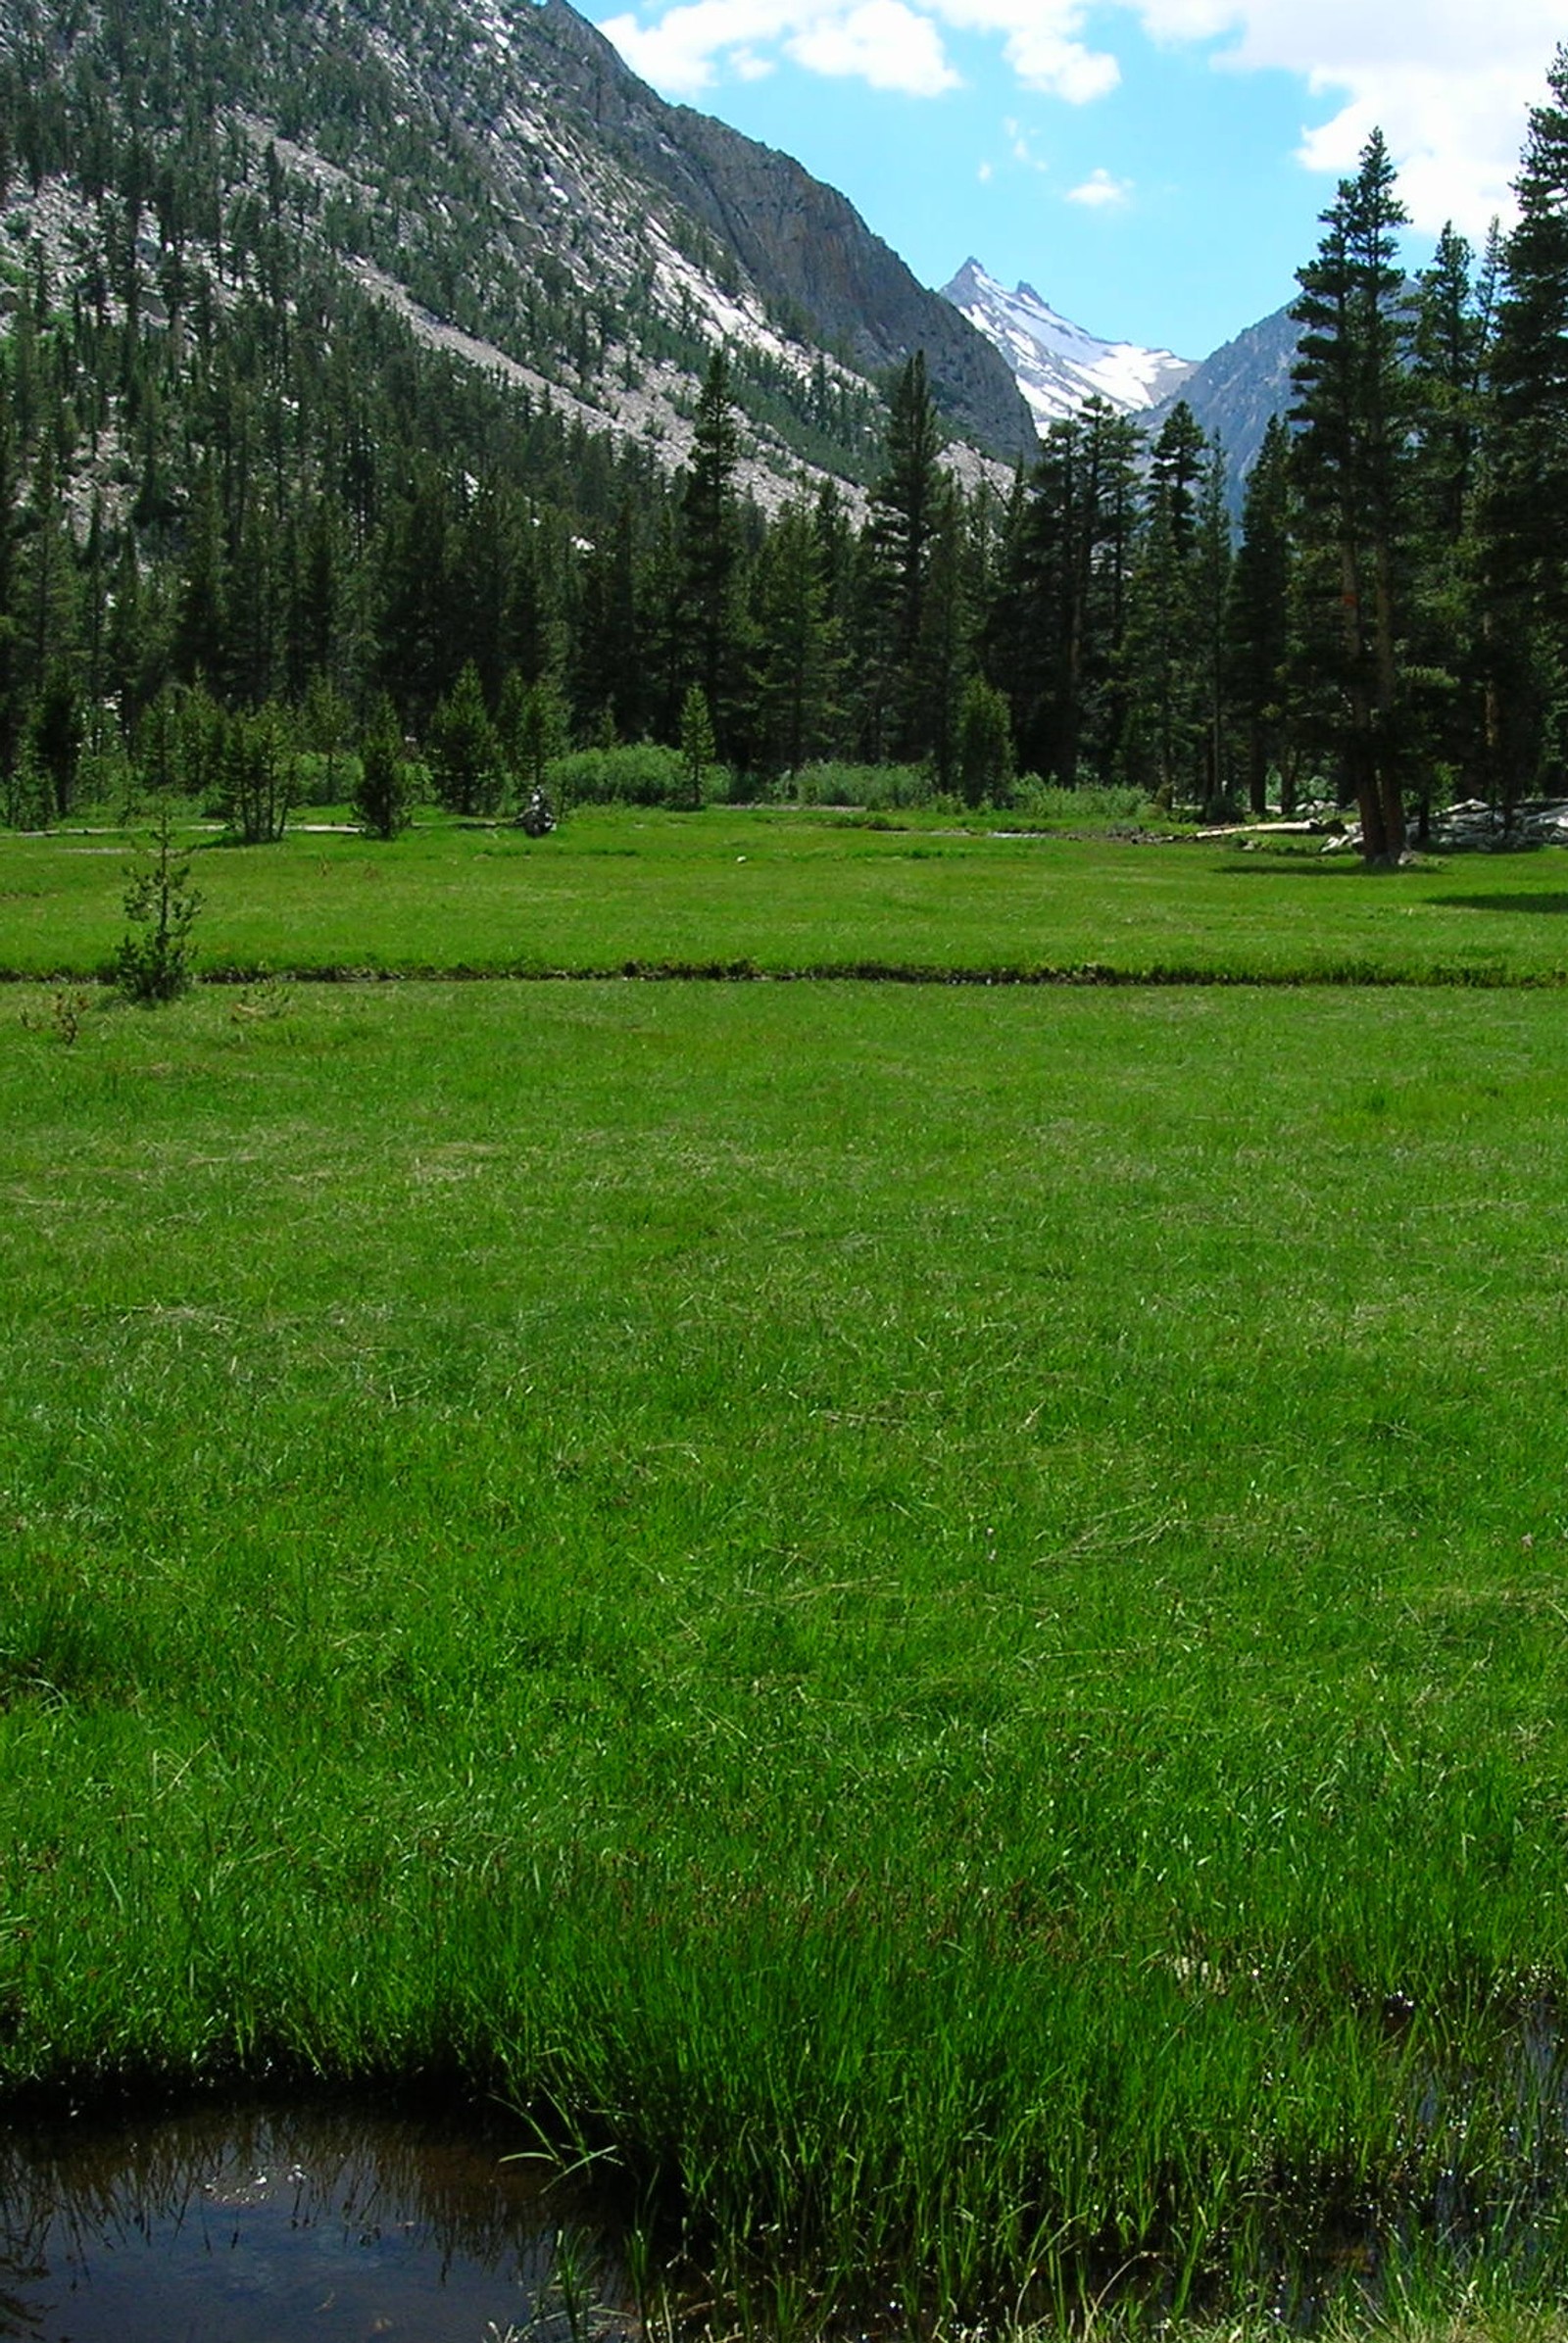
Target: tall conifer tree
<point x="710" y="551"/>
<point x="899" y="546"/>
<point x="1259" y="618"/>
<point x="1527" y="507"/>
<point x="1353" y="457"/>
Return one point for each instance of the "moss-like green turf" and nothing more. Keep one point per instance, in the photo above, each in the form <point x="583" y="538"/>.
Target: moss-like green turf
<point x="932" y="1620"/>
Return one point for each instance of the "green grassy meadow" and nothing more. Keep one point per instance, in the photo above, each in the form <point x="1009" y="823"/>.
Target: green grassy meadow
<point x="787" y="891"/>
<point x="930" y="1620"/>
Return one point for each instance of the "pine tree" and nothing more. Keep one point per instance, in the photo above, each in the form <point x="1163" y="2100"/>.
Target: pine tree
<point x="985" y="758"/>
<point x="1165" y="713"/>
<point x="13" y="699"/>
<point x="537" y="734"/>
<point x="797" y="646"/>
<point x="260" y="775"/>
<point x="697" y="746"/>
<point x="1354" y="451"/>
<point x="57" y="735"/>
<point x="1527" y="504"/>
<point x="1259" y="618"/>
<point x="1055" y="634"/>
<point x="898" y="546"/>
<point x="943" y="654"/>
<point x="1212" y="561"/>
<point x="1178" y="466"/>
<point x="1451" y="629"/>
<point x="201" y="637"/>
<point x="465" y="758"/>
<point x="710" y="553"/>
<point x="327" y="727"/>
<point x="608" y="679"/>
<point x="383" y="801"/>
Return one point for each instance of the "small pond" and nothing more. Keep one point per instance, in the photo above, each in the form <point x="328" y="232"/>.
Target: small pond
<point x="266" y="2224"/>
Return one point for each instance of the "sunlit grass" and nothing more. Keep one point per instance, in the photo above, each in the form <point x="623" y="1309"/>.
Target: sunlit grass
<point x="930" y="1620"/>
<point x="790" y="890"/>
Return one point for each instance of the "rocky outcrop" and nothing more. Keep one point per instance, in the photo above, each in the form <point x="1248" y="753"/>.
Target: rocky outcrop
<point x="1473" y="826"/>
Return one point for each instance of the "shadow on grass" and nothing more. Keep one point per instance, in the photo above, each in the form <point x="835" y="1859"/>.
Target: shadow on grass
<point x="1265" y="865"/>
<point x="1501" y="903"/>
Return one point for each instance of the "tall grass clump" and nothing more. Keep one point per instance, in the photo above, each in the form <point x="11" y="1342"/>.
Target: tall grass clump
<point x="1092" y="803"/>
<point x="876" y="788"/>
<point x="639" y="773"/>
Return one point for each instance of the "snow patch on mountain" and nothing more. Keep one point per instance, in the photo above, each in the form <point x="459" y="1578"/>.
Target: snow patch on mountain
<point x="1059" y="365"/>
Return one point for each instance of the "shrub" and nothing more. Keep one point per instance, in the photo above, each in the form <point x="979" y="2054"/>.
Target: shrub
<point x="984" y="746"/>
<point x="383" y="801"/>
<point x="1094" y="801"/>
<point x="260" y="775"/>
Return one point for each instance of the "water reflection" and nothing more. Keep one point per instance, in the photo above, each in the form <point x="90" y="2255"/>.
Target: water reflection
<point x="263" y="2224"/>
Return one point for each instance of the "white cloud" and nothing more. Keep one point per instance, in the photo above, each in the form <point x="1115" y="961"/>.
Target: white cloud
<point x="691" y="46"/>
<point x="1450" y="84"/>
<point x="985" y="175"/>
<point x="882" y="42"/>
<point x="892" y="44"/>
<point x="1039" y="42"/>
<point x="1023" y="151"/>
<point x="1100" y="192"/>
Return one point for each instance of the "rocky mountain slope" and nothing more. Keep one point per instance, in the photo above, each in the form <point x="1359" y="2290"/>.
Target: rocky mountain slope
<point x="1234" y="392"/>
<point x="1059" y="367"/>
<point x="492" y="169"/>
<point x="801" y="246"/>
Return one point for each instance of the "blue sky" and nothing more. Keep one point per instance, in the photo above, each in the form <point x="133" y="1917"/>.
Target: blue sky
<point x="1156" y="168"/>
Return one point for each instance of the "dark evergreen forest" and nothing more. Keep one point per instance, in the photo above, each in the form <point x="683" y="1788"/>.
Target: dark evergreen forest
<point x="247" y="511"/>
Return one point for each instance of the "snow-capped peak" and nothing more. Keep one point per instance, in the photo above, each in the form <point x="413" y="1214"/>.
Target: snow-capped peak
<point x="1059" y="367"/>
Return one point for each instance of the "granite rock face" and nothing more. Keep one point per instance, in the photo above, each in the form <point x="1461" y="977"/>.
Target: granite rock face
<point x="802" y="244"/>
<point x="1240" y="387"/>
<point x="496" y="174"/>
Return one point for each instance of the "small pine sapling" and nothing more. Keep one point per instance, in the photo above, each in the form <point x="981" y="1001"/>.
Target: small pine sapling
<point x="697" y="746"/>
<point x="156" y="961"/>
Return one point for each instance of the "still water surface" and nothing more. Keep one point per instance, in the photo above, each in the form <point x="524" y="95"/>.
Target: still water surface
<point x="269" y="2226"/>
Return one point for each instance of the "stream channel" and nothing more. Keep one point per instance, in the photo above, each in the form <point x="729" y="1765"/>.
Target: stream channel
<point x="270" y="2225"/>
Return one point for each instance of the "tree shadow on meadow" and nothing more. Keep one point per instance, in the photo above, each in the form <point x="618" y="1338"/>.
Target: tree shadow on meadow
<point x="1301" y="866"/>
<point x="1283" y="869"/>
<point x="1501" y="903"/>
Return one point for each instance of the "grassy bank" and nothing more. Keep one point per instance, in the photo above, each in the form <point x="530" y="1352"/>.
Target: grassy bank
<point x="930" y="1620"/>
<point x="791" y="891"/>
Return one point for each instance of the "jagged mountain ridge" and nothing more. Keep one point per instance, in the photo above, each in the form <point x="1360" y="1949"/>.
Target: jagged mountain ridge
<point x="1059" y="365"/>
<point x="493" y="169"/>
<point x="1234" y="392"/>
